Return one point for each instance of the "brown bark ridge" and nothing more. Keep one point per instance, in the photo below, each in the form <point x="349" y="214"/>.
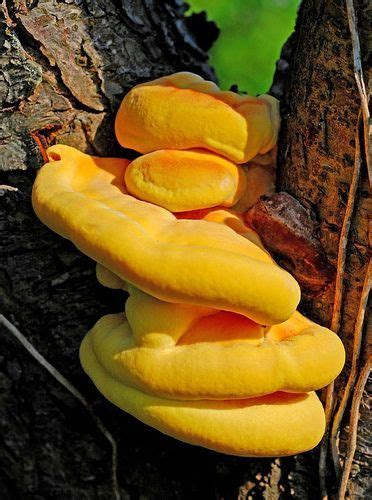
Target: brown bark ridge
<point x="290" y="235"/>
<point x="323" y="164"/>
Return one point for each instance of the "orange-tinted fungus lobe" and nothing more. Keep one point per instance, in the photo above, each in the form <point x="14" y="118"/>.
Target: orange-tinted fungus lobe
<point x="185" y="180"/>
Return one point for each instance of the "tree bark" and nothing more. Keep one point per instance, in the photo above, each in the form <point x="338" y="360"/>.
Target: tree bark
<point x="318" y="164"/>
<point x="65" y="67"/>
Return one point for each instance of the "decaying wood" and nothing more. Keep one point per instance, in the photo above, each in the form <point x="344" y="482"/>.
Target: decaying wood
<point x="290" y="234"/>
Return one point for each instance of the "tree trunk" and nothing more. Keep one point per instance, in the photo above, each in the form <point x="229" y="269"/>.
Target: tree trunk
<point x="65" y="67"/>
<point x="320" y="165"/>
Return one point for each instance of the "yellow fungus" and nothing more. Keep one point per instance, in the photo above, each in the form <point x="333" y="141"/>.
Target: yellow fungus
<point x="211" y="349"/>
<point x="183" y="111"/>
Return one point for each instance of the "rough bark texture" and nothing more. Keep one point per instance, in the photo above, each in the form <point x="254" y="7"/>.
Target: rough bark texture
<point x="64" y="68"/>
<point x="320" y="111"/>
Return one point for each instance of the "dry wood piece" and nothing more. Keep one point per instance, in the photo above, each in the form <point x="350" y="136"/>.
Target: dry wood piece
<point x="287" y="230"/>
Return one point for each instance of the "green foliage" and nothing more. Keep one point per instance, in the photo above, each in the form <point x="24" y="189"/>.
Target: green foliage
<point x="252" y="34"/>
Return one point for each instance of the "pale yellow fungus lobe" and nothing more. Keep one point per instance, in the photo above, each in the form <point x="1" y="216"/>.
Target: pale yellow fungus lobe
<point x="109" y="279"/>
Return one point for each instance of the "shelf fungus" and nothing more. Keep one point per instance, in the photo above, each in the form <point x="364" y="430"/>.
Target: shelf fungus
<point x="183" y="111"/>
<point x="210" y="348"/>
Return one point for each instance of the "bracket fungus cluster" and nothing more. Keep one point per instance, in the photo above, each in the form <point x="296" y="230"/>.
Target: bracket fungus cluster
<point x="211" y="349"/>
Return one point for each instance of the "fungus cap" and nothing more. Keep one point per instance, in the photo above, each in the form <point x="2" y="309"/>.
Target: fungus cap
<point x="185" y="352"/>
<point x="185" y="180"/>
<point x="184" y="261"/>
<point x="183" y="111"/>
<point x="229" y="218"/>
<point x="279" y="424"/>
